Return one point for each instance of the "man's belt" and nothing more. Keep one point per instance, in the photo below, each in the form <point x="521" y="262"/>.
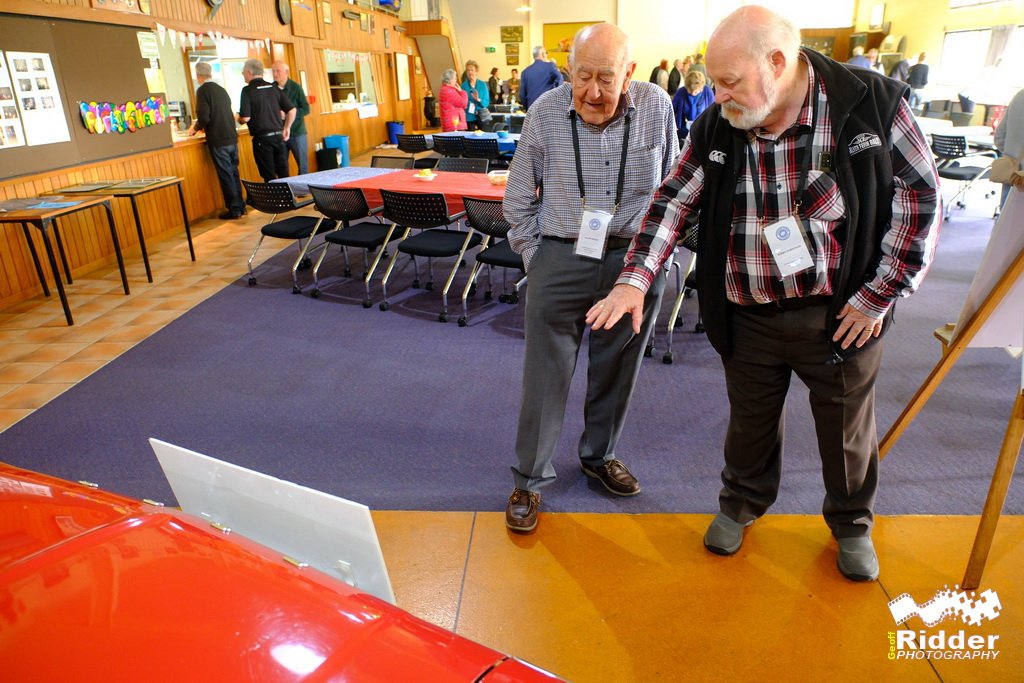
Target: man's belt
<point x="792" y="304"/>
<point x="613" y="241"/>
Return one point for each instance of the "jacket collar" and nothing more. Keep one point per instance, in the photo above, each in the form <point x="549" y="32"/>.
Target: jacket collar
<point x="844" y="89"/>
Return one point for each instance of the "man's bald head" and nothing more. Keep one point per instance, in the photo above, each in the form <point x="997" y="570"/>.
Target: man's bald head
<point x="606" y="38"/>
<point x="758" y="32"/>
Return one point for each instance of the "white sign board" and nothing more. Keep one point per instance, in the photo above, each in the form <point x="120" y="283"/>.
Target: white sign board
<point x="1005" y="326"/>
<point x="329" y="533"/>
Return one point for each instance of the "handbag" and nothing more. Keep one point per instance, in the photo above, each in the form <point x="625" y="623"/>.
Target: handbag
<point x="483" y="115"/>
<point x="1003" y="169"/>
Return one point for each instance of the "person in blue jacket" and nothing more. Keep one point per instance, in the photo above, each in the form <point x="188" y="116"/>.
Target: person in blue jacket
<point x="479" y="95"/>
<point x="690" y="101"/>
<point x="538" y="78"/>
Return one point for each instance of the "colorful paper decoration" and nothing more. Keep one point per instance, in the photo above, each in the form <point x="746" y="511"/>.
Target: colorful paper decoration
<point x="105" y="117"/>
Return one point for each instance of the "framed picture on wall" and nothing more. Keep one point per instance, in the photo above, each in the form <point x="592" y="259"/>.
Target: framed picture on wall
<point x="364" y="21"/>
<point x="512" y="49"/>
<point x="511" y="34"/>
<point x="511" y="61"/>
<point x="387" y="40"/>
<point x="325" y="7"/>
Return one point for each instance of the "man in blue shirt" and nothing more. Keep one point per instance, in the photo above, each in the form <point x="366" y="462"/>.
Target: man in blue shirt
<point x="538" y="78"/>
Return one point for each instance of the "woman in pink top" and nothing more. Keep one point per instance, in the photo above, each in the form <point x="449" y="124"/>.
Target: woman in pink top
<point x="453" y="101"/>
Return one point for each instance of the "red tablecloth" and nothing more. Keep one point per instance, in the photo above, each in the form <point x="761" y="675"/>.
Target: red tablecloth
<point x="454" y="186"/>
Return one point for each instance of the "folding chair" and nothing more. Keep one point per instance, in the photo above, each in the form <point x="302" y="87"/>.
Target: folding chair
<point x="346" y="205"/>
<point x="429" y="213"/>
<point x="949" y="151"/>
<point x="390" y="162"/>
<point x="684" y="289"/>
<point x="485" y="216"/>
<point x="462" y="165"/>
<point x="276" y="199"/>
<point x="413" y="145"/>
<point x="484" y="148"/>
<point x="448" y="145"/>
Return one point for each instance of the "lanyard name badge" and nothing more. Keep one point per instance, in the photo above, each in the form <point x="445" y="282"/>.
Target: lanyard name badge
<point x="593" y="233"/>
<point x="786" y="237"/>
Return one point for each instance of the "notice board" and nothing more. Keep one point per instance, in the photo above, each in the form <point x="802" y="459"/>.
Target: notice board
<point x="91" y="62"/>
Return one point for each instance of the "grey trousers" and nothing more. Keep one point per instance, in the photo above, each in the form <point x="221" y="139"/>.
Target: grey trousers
<point x="767" y="350"/>
<point x="562" y="289"/>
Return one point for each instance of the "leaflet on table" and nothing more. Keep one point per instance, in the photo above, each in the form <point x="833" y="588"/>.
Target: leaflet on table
<point x="35" y="88"/>
<point x="11" y="132"/>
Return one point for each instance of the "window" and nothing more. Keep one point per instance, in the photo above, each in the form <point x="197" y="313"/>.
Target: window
<point x="964" y="68"/>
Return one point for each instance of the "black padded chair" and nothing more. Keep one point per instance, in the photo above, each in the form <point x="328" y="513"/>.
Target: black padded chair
<point x="950" y="151"/>
<point x="276" y="199"/>
<point x="515" y="124"/>
<point x="346" y="205"/>
<point x="390" y="162"/>
<point x="413" y="145"/>
<point x="484" y="148"/>
<point x="448" y="145"/>
<point x="463" y="165"/>
<point x="428" y="213"/>
<point x="486" y="217"/>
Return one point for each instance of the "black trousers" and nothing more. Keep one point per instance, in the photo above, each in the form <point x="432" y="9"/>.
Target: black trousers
<point x="271" y="156"/>
<point x="768" y="348"/>
<point x="225" y="160"/>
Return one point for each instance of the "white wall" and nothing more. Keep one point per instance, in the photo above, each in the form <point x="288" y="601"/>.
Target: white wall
<point x="665" y="30"/>
<point x="671" y="30"/>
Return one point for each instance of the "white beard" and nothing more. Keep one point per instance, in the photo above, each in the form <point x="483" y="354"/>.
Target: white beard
<point x="747" y="118"/>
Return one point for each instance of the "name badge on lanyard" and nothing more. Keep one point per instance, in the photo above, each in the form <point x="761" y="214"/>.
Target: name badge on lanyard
<point x="593" y="232"/>
<point x="786" y="241"/>
<point x="785" y="237"/>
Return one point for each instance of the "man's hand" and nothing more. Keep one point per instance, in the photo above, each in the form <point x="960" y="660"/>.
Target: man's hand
<point x="286" y="133"/>
<point x="856" y="327"/>
<point x="621" y="300"/>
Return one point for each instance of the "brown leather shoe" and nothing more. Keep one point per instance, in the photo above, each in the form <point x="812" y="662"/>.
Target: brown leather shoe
<point x="521" y="511"/>
<point x="614" y="476"/>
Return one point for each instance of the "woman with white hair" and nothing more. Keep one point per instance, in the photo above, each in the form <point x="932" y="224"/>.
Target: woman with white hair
<point x="453" y="100"/>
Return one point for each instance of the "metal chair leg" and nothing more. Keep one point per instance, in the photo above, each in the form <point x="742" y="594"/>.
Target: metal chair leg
<point x="384" y="305"/>
<point x="252" y="278"/>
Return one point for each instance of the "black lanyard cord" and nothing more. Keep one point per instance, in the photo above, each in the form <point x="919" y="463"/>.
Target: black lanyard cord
<point x="579" y="163"/>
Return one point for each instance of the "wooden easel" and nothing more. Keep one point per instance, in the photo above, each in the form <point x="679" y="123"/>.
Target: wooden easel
<point x="1008" y="454"/>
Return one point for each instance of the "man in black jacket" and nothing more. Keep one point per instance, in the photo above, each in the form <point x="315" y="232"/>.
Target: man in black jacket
<point x="261" y="106"/>
<point x="818" y="205"/>
<point x="214" y="117"/>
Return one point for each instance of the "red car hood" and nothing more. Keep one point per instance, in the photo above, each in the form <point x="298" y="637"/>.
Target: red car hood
<point x="95" y="586"/>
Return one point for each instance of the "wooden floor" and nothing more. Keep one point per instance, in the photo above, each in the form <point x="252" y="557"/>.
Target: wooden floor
<point x="590" y="597"/>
